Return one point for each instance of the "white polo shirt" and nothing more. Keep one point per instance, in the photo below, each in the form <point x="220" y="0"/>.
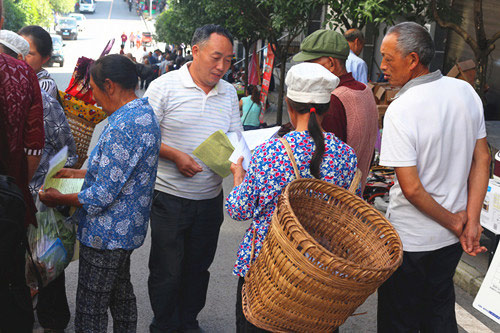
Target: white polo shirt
<point x="187" y="117"/>
<point x="433" y="124"/>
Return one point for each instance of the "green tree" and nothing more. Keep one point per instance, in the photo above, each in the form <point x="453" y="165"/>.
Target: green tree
<point x="286" y="20"/>
<point x="62" y="6"/>
<point x="169" y="28"/>
<point x="21" y="13"/>
<point x="177" y="24"/>
<point x="15" y="18"/>
<point x="481" y="45"/>
<point x="347" y="14"/>
<point x="242" y="20"/>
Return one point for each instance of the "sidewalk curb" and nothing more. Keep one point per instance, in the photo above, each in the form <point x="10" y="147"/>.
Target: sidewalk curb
<point x="145" y="23"/>
<point x="468" y="278"/>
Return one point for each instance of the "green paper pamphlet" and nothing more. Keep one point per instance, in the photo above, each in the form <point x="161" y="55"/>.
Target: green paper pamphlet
<point x="65" y="185"/>
<point x="56" y="163"/>
<point x="215" y="152"/>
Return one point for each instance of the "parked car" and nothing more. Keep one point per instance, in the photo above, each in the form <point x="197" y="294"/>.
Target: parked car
<point x="67" y="28"/>
<point x="80" y="20"/>
<point x="57" y="51"/>
<point x="87" y="6"/>
<point x="146" y="39"/>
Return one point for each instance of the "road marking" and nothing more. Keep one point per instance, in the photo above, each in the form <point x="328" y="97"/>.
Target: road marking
<point x="468" y="322"/>
<point x="110" y="9"/>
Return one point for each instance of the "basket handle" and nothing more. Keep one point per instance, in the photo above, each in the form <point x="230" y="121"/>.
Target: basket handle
<point x="291" y="157"/>
<point x="297" y="175"/>
<point x="355" y="181"/>
<point x="252" y="254"/>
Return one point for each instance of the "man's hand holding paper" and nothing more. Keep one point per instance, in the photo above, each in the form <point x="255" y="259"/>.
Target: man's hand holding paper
<point x="186" y="165"/>
<point x="220" y="149"/>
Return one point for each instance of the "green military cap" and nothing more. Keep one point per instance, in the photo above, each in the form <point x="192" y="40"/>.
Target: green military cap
<point x="323" y="43"/>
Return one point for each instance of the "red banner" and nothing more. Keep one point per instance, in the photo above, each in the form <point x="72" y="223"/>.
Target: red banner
<point x="266" y="78"/>
<point x="254" y="70"/>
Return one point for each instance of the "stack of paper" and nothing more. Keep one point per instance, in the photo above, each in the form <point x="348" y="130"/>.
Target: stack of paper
<point x="488" y="298"/>
<point x="220" y="149"/>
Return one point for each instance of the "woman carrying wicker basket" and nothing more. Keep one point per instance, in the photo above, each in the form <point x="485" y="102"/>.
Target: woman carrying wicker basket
<point x="317" y="154"/>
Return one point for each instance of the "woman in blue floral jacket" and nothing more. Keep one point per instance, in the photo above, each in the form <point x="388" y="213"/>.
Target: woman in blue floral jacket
<point x="115" y="200"/>
<point x="317" y="153"/>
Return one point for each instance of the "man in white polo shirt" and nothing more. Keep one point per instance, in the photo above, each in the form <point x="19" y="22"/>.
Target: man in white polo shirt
<point x="187" y="211"/>
<point x="434" y="136"/>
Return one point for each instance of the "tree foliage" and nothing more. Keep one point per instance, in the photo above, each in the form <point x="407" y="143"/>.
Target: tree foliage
<point x="169" y="29"/>
<point x="281" y="21"/>
<point x="243" y="19"/>
<point x="480" y="44"/>
<point x="62" y="6"/>
<point x="177" y="24"/>
<point x="287" y="20"/>
<point x="37" y="12"/>
<point x="15" y="18"/>
<point x="347" y="14"/>
<point x="20" y="13"/>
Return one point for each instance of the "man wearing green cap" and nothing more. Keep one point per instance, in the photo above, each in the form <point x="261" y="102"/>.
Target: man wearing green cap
<point x="353" y="115"/>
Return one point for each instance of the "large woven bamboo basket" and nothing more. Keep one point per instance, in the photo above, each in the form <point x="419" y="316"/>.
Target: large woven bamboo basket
<point x="326" y="251"/>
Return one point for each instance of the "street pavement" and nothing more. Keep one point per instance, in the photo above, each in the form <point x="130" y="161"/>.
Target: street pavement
<point x="111" y="19"/>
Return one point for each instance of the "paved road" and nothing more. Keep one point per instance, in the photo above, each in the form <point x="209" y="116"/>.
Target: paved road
<point x="110" y="20"/>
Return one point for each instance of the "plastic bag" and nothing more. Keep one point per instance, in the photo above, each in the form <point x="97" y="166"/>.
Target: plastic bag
<point x="52" y="245"/>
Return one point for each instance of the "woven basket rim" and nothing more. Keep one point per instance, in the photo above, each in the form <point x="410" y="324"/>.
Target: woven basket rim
<point x="338" y="258"/>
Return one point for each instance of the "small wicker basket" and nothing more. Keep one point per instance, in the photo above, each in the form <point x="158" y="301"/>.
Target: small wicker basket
<point x="82" y="133"/>
<point x="326" y="251"/>
<point x="82" y="119"/>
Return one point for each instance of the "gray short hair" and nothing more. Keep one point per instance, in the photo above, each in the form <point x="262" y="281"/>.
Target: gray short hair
<point x="352" y="34"/>
<point x="412" y="37"/>
<point x="202" y="34"/>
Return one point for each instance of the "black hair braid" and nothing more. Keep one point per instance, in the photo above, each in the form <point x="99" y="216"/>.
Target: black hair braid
<point x="315" y="131"/>
<point x="319" y="141"/>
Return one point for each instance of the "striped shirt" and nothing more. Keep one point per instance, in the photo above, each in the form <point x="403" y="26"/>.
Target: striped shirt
<point x="47" y="83"/>
<point x="187" y="117"/>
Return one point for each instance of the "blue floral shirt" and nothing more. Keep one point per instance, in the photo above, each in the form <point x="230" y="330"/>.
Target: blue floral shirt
<point x="270" y="171"/>
<point x="118" y="187"/>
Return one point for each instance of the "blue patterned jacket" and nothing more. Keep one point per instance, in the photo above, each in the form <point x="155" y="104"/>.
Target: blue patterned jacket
<point x="118" y="187"/>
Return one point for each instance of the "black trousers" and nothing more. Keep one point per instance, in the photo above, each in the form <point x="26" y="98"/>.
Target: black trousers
<point x="242" y="324"/>
<point x="420" y="295"/>
<point x="16" y="308"/>
<point x="52" y="308"/>
<point x="104" y="283"/>
<point x="184" y="235"/>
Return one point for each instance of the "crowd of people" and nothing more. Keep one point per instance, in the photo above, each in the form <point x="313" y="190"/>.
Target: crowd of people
<point x="151" y="64"/>
<point x="143" y="171"/>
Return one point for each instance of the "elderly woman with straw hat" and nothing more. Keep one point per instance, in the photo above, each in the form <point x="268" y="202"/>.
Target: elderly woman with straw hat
<point x="313" y="153"/>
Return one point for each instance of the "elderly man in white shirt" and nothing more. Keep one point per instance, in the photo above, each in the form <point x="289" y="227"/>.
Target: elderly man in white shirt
<point x="435" y="138"/>
<point x="187" y="211"/>
<point x="354" y="64"/>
